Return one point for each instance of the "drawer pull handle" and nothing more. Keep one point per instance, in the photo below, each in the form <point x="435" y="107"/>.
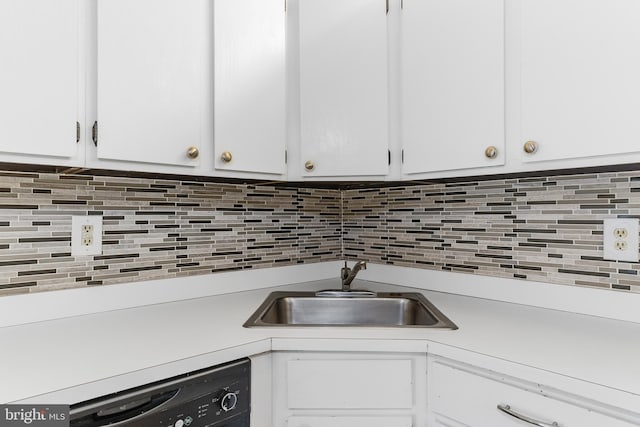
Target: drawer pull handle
<point x="507" y="410"/>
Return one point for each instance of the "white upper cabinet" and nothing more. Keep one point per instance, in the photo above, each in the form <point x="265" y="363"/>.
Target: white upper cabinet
<point x="249" y="85"/>
<point x="343" y="87"/>
<point x="580" y="62"/>
<point x="150" y="93"/>
<point x="452" y="84"/>
<point x="39" y="81"/>
<point x="224" y="87"/>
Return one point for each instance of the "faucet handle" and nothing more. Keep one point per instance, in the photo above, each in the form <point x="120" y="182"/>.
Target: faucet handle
<point x="344" y="271"/>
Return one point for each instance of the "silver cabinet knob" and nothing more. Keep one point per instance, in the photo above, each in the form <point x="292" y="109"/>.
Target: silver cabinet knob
<point x="491" y="152"/>
<point x="308" y="165"/>
<point x="530" y="147"/>
<point x="193" y="152"/>
<point x="226" y="157"/>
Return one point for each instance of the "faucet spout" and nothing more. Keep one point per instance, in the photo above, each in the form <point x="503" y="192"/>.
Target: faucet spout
<point x="348" y="274"/>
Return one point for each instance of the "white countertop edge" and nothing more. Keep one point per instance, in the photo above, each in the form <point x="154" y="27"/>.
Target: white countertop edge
<point x="355" y="345"/>
<point x="148" y="375"/>
<point x="575" y="299"/>
<point x="42" y="306"/>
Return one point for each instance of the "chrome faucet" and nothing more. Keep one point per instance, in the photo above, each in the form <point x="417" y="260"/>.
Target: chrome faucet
<point x="348" y="274"/>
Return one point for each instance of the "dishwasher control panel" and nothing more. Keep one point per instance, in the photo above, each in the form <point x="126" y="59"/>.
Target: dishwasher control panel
<point x="216" y="397"/>
<point x="226" y="402"/>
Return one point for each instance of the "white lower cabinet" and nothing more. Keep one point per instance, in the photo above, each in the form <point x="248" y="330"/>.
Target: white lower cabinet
<point x="384" y="389"/>
<point x="261" y="390"/>
<point x="461" y="395"/>
<point x="346" y="421"/>
<point x="313" y="389"/>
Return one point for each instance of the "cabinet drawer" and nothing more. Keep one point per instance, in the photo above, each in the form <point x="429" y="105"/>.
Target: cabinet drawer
<point x="463" y="398"/>
<point x="349" y="422"/>
<point x="350" y="384"/>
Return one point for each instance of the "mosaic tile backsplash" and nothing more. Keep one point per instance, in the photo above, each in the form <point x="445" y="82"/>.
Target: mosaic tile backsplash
<point x="546" y="229"/>
<point x="155" y="228"/>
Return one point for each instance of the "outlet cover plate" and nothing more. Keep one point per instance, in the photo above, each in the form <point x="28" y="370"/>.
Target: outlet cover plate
<point x="77" y="248"/>
<point x="610" y="238"/>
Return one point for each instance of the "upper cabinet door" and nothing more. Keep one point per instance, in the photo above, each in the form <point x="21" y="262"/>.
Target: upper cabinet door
<point x="39" y="78"/>
<point x="249" y="85"/>
<point x="579" y="74"/>
<point x="343" y="87"/>
<point x="150" y="80"/>
<point x="452" y="107"/>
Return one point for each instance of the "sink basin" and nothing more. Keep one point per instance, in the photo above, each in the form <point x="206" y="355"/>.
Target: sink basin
<point x="348" y="309"/>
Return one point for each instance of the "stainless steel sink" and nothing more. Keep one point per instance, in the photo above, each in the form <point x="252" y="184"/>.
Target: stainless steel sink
<point x="348" y="309"/>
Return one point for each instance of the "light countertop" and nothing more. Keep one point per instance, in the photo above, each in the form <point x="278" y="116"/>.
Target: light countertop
<point x="136" y="345"/>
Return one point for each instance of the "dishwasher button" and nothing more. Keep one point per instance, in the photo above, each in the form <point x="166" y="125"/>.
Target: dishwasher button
<point x="179" y="423"/>
<point x="188" y="421"/>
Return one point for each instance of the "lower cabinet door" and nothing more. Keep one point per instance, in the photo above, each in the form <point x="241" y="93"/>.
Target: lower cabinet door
<point x="349" y="389"/>
<point x="460" y="398"/>
<point x="344" y="421"/>
<point x="350" y="384"/>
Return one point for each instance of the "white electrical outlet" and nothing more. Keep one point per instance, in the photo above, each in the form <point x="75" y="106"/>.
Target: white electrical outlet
<point x="620" y="238"/>
<point x="86" y="238"/>
<point x="86" y="235"/>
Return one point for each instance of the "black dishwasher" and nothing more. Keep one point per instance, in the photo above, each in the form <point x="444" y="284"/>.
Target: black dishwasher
<point x="217" y="397"/>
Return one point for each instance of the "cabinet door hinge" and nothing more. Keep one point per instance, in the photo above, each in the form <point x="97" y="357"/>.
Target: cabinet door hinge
<point x="77" y="132"/>
<point x="285" y="6"/>
<point x="401" y="4"/>
<point x="389" y="153"/>
<point x="94" y="133"/>
<point x="402" y="157"/>
<point x="285" y="157"/>
<point x="387" y="7"/>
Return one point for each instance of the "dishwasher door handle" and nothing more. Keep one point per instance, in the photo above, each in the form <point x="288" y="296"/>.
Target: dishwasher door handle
<point x="507" y="410"/>
<point x="129" y="406"/>
<point x="126" y="412"/>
